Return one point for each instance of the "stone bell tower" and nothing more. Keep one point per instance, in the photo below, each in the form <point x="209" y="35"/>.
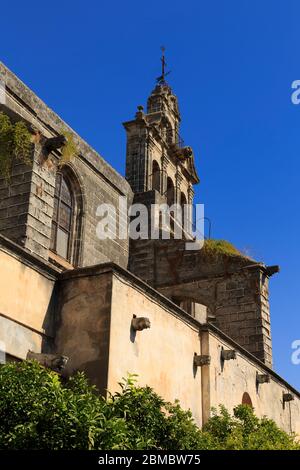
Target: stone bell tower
<point x="156" y="158"/>
<point x="229" y="290"/>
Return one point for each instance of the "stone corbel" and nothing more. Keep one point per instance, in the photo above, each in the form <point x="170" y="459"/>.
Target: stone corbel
<point x="201" y="360"/>
<point x="228" y="354"/>
<point x="262" y="378"/>
<point x="286" y="397"/>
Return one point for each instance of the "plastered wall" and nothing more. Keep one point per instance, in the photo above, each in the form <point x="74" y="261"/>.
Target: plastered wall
<point x="26" y="298"/>
<point x="161" y="356"/>
<point x="228" y="384"/>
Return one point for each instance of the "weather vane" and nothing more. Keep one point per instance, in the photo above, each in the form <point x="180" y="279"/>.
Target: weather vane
<point x="161" y="79"/>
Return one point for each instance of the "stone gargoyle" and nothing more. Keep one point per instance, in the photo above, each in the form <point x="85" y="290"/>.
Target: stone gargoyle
<point x="140" y="323"/>
<point x="182" y="153"/>
<point x="56" y="362"/>
<point x="54" y="143"/>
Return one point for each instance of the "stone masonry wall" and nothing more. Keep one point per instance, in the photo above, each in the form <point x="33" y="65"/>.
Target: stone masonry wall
<point x="242" y="311"/>
<point x="95" y="332"/>
<point x="14" y="203"/>
<point x="235" y="289"/>
<point x="26" y="205"/>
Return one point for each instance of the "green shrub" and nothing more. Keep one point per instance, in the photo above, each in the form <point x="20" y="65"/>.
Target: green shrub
<point x="244" y="431"/>
<point x="39" y="411"/>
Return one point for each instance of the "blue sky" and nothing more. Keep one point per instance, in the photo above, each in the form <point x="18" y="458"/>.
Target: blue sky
<point x="232" y="66"/>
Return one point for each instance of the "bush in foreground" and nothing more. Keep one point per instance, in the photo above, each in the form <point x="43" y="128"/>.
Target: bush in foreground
<point x="38" y="411"/>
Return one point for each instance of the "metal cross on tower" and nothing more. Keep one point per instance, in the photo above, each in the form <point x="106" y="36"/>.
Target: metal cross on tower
<point x="161" y="79"/>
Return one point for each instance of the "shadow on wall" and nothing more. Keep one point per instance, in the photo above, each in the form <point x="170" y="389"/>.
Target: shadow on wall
<point x="51" y="323"/>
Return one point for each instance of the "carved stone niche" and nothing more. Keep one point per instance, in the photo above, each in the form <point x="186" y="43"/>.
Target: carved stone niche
<point x="228" y="354"/>
<point x="140" y="323"/>
<point x="262" y="378"/>
<point x="201" y="360"/>
<point x="55" y="362"/>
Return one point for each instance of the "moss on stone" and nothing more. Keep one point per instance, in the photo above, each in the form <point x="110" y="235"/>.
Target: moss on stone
<point x="221" y="247"/>
<point x="15" y="144"/>
<point x="69" y="150"/>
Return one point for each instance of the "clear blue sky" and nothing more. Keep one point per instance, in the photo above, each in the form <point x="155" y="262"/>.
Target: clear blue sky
<point x="232" y="65"/>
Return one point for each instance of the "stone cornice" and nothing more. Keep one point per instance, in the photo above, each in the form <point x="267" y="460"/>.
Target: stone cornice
<point x="28" y="258"/>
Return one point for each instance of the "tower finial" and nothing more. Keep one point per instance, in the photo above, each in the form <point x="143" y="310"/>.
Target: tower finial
<point x="161" y="79"/>
<point x="163" y="62"/>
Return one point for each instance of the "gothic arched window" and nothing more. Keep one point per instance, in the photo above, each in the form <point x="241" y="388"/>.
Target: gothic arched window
<point x="170" y="202"/>
<point x="183" y="203"/>
<point x="170" y="192"/>
<point x="169" y="133"/>
<point x="155" y="176"/>
<point x="65" y="222"/>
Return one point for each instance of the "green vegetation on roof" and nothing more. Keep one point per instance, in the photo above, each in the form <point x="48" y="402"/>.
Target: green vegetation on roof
<point x="15" y="144"/>
<point x="221" y="247"/>
<point x="69" y="149"/>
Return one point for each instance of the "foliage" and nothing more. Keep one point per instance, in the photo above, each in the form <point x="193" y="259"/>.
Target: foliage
<point x="220" y="247"/>
<point x="40" y="411"/>
<point x="69" y="149"/>
<point x="15" y="144"/>
<point x="245" y="431"/>
<point x="153" y="423"/>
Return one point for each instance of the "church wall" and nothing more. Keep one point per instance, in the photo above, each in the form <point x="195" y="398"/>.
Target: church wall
<point x="27" y="298"/>
<point x="16" y="340"/>
<point x="94" y="330"/>
<point x="25" y="294"/>
<point x="161" y="356"/>
<point x="26" y="205"/>
<point x="98" y="191"/>
<point x="97" y="305"/>
<point x="235" y="289"/>
<point x="83" y="323"/>
<point x="14" y="203"/>
<point x="91" y="316"/>
<point x="227" y="385"/>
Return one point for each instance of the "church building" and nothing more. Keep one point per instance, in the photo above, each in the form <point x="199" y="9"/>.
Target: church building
<point x="192" y="324"/>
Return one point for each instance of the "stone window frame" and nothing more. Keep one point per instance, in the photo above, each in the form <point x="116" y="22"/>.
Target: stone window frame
<point x="76" y="226"/>
<point x="64" y="202"/>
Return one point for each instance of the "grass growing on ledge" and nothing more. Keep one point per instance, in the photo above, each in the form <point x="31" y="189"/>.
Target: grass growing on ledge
<point x="221" y="247"/>
<point x="69" y="149"/>
<point x="15" y="144"/>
